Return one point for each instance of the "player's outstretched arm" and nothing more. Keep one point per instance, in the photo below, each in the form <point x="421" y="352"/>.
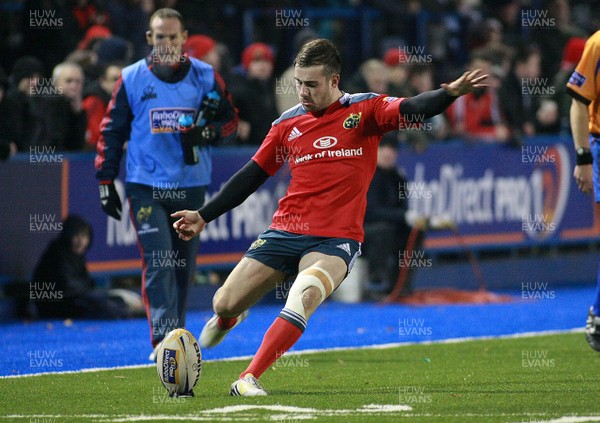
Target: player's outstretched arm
<point x="239" y="187"/>
<point x="189" y="225"/>
<point x="468" y="81"/>
<point x="434" y="102"/>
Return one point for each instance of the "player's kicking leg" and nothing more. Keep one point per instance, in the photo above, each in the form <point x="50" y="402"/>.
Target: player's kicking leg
<point x="249" y="281"/>
<point x="319" y="275"/>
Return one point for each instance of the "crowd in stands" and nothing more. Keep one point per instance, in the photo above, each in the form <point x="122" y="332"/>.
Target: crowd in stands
<point x="55" y="82"/>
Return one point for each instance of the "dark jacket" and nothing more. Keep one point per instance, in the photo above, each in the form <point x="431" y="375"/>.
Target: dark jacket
<point x="64" y="128"/>
<point x="60" y="265"/>
<point x="256" y="104"/>
<point x="387" y="198"/>
<point x="26" y="119"/>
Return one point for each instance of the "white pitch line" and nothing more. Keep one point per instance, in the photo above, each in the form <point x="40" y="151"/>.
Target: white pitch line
<point x="240" y="413"/>
<point x="569" y="419"/>
<point x="317" y="350"/>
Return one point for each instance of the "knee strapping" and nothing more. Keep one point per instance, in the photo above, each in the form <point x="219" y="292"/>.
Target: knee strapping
<point x="313" y="276"/>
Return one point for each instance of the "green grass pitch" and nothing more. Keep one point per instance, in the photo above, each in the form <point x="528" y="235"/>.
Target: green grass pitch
<point x="527" y="379"/>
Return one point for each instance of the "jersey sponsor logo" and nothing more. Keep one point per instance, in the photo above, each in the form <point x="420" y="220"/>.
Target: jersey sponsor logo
<point x="577" y="79"/>
<point x="325" y="142"/>
<point x="166" y="120"/>
<point x="149" y="93"/>
<point x="294" y="134"/>
<point x="352" y="121"/>
<point x="390" y="99"/>
<point x="342" y="152"/>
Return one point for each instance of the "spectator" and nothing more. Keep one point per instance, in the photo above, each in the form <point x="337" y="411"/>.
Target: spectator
<point x="88" y="14"/>
<point x="420" y="80"/>
<point x="128" y="21"/>
<point x="552" y="38"/>
<point x="86" y="56"/>
<point x="63" y="268"/>
<point x="547" y="118"/>
<point x="571" y="56"/>
<point x="226" y="60"/>
<point x="254" y="94"/>
<point x="25" y="106"/>
<point x="64" y="117"/>
<point x="399" y="69"/>
<point x="8" y="145"/>
<point x="522" y="93"/>
<point x="373" y="76"/>
<point x="203" y="48"/>
<point x="96" y="99"/>
<point x="488" y="37"/>
<point x="477" y="115"/>
<point x="113" y="49"/>
<point x="93" y="35"/>
<point x="508" y="12"/>
<point x="285" y="87"/>
<point x="386" y="229"/>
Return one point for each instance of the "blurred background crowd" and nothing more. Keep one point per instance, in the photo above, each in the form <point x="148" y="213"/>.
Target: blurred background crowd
<point x="61" y="59"/>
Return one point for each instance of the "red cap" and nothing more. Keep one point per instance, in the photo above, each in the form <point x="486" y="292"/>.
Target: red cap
<point x="394" y="57"/>
<point x="257" y="51"/>
<point x="94" y="32"/>
<point x="199" y="46"/>
<point x="572" y="52"/>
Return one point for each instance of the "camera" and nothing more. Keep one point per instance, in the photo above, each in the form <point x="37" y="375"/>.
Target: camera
<point x="202" y="132"/>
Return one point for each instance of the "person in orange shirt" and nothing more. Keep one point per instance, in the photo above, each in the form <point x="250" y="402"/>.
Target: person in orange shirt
<point x="584" y="87"/>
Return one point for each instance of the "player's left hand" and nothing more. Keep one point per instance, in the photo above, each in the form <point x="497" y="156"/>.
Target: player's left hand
<point x="189" y="225"/>
<point x="584" y="177"/>
<point x="469" y="81"/>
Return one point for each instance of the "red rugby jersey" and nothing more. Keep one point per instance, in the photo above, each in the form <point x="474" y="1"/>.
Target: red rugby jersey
<point x="332" y="156"/>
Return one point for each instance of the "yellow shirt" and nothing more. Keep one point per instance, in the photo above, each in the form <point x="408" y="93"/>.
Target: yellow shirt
<point x="584" y="84"/>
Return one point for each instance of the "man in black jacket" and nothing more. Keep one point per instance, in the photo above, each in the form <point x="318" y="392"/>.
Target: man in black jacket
<point x="386" y="229"/>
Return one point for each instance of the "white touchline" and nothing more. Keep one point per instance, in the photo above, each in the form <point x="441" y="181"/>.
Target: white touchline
<point x="569" y="419"/>
<point x="317" y="350"/>
<point x="240" y="411"/>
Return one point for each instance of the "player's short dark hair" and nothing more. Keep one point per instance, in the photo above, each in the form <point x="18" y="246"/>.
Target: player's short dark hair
<point x="166" y="13"/>
<point x="320" y="52"/>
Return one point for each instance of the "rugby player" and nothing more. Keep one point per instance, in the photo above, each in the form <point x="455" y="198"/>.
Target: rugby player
<point x="330" y="141"/>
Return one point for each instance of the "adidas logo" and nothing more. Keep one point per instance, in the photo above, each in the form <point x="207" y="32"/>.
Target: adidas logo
<point x="346" y="247"/>
<point x="294" y="134"/>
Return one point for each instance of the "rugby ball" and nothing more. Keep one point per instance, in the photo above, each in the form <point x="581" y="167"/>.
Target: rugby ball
<point x="179" y="363"/>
